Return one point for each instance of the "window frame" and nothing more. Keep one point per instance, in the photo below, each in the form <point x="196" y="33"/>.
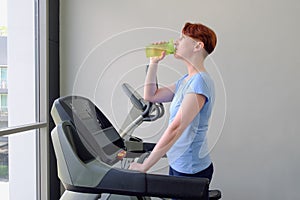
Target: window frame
<point x="42" y="98"/>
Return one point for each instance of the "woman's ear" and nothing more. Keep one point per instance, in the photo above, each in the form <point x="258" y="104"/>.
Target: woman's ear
<point x="199" y="46"/>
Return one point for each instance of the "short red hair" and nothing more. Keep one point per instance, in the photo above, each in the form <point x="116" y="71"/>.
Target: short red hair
<point x="202" y="33"/>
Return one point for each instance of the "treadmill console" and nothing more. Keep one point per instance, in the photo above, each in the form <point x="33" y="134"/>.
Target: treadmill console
<point x="97" y="133"/>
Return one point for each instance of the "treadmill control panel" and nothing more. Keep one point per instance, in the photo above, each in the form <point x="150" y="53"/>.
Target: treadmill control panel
<point x="98" y="134"/>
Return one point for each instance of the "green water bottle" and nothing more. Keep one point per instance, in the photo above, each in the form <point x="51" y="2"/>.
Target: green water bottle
<point x="155" y="50"/>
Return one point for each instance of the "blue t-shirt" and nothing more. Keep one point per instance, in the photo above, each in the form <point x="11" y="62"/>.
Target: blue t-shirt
<point x="190" y="153"/>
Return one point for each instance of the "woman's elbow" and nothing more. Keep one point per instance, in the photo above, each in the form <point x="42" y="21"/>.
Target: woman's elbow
<point x="147" y="98"/>
<point x="176" y="129"/>
<point x="150" y="98"/>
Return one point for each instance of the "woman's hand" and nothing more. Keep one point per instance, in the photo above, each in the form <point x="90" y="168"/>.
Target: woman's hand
<point x="137" y="167"/>
<point x="155" y="60"/>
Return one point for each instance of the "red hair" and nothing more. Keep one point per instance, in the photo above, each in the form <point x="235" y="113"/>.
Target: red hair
<point x="202" y="33"/>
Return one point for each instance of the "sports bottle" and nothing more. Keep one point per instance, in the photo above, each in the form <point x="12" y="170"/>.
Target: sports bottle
<point x="155" y="50"/>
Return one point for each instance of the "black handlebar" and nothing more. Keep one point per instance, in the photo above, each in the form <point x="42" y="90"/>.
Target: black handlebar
<point x="134" y="97"/>
<point x="146" y="107"/>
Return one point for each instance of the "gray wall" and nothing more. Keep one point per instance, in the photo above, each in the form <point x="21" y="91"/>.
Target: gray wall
<point x="255" y="66"/>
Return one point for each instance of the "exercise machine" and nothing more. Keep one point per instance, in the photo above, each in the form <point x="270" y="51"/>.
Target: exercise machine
<point x="89" y="151"/>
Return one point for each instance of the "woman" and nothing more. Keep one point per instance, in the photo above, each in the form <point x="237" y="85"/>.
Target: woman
<point x="192" y="96"/>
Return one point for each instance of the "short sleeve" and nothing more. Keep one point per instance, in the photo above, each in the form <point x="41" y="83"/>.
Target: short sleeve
<point x="199" y="85"/>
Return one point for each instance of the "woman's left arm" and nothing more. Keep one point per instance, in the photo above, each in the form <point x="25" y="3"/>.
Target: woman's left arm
<point x="190" y="107"/>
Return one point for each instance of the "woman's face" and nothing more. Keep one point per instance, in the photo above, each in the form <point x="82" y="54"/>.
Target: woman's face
<point x="184" y="47"/>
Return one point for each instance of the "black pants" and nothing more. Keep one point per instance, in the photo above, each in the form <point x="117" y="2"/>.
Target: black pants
<point x="206" y="173"/>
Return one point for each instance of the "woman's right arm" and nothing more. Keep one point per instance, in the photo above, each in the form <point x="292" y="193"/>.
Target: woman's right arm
<point x="151" y="92"/>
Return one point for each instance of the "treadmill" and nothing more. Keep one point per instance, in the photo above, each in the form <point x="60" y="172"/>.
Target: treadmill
<point x="88" y="149"/>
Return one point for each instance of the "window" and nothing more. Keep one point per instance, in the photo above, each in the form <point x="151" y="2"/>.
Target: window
<point x="23" y="106"/>
<point x="3" y="97"/>
<point x="3" y="102"/>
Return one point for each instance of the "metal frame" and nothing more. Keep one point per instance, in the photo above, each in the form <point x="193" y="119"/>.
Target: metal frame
<point x="42" y="98"/>
<point x="22" y="128"/>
